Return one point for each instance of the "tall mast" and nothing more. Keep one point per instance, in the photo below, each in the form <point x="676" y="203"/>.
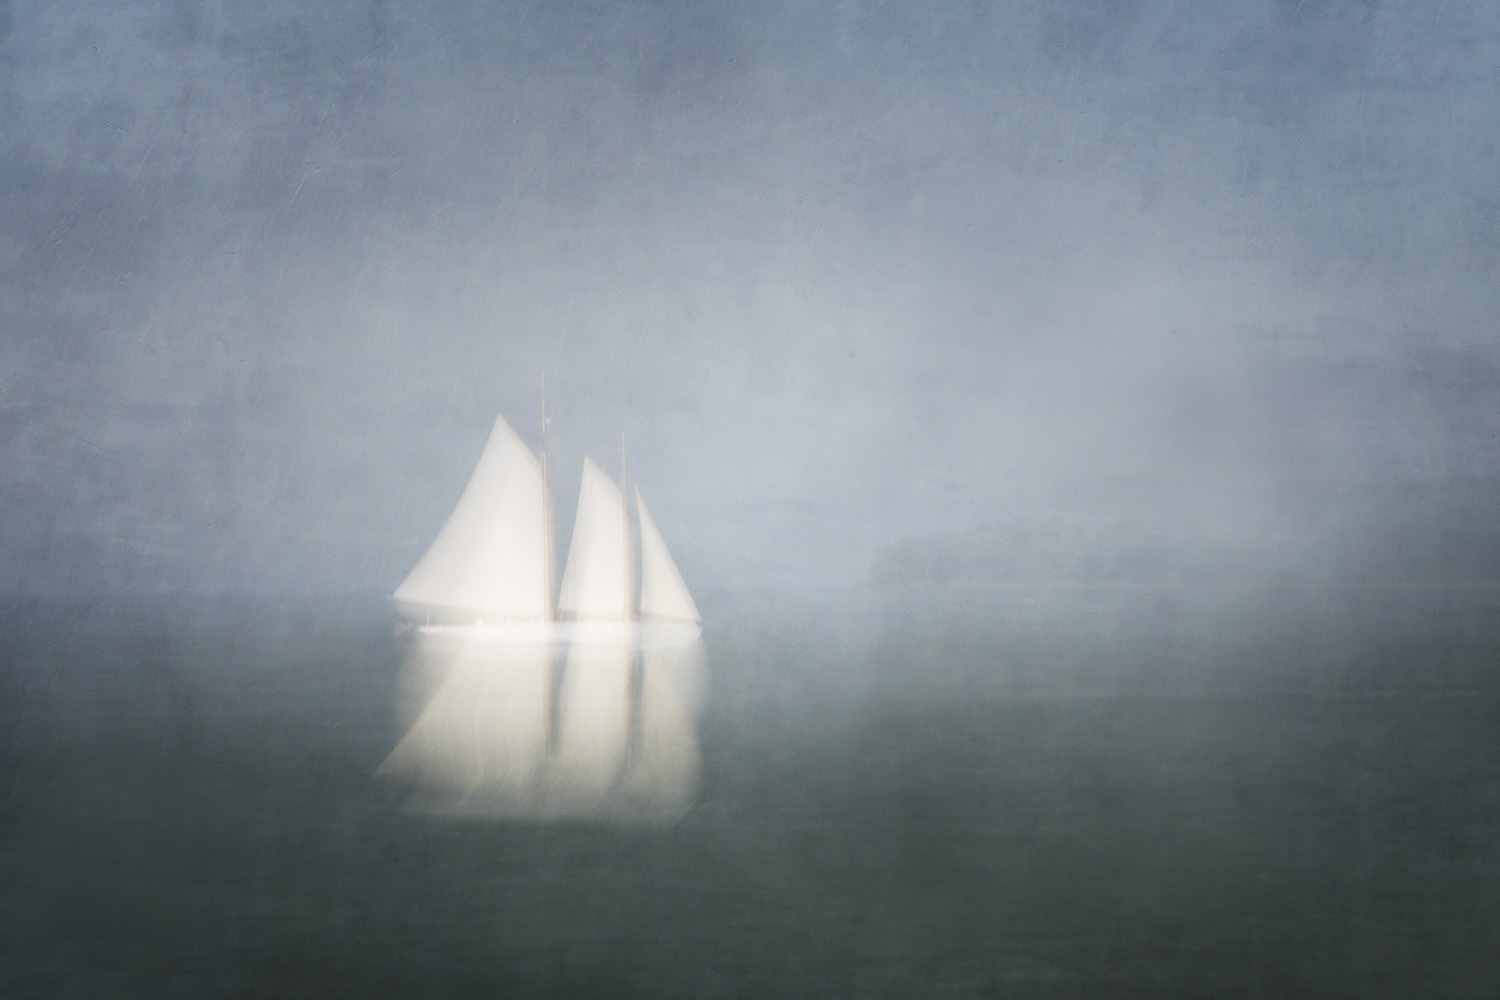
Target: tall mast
<point x="547" y="614"/>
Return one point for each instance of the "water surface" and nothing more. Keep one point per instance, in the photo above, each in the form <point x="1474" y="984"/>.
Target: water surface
<point x="1055" y="792"/>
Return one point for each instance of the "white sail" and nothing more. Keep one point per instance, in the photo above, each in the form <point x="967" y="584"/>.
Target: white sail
<point x="596" y="583"/>
<point x="493" y="556"/>
<point x="664" y="597"/>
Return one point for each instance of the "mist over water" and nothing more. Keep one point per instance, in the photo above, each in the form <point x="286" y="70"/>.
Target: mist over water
<point x="1075" y="422"/>
<point x="841" y="276"/>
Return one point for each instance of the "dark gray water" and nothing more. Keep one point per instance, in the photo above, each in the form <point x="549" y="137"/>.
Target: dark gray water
<point x="1070" y="792"/>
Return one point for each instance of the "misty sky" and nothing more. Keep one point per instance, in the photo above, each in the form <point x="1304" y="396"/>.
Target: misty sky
<point x="842" y="273"/>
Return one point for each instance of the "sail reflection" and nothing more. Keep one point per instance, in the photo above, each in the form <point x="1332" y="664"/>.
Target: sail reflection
<point x="592" y="730"/>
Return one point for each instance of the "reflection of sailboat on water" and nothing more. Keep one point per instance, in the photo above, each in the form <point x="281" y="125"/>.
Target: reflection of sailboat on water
<point x="508" y="729"/>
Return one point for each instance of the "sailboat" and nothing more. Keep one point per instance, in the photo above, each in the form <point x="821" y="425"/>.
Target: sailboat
<point x="489" y="572"/>
<point x="522" y="708"/>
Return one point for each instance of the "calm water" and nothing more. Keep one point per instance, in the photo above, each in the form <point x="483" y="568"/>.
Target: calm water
<point x="1010" y="793"/>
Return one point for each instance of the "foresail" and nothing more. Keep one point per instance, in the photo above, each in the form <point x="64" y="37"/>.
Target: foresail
<point x="596" y="583"/>
<point x="664" y="597"/>
<point x="492" y="557"/>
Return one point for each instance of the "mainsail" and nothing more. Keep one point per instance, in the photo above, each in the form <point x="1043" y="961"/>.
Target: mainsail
<point x="493" y="557"/>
